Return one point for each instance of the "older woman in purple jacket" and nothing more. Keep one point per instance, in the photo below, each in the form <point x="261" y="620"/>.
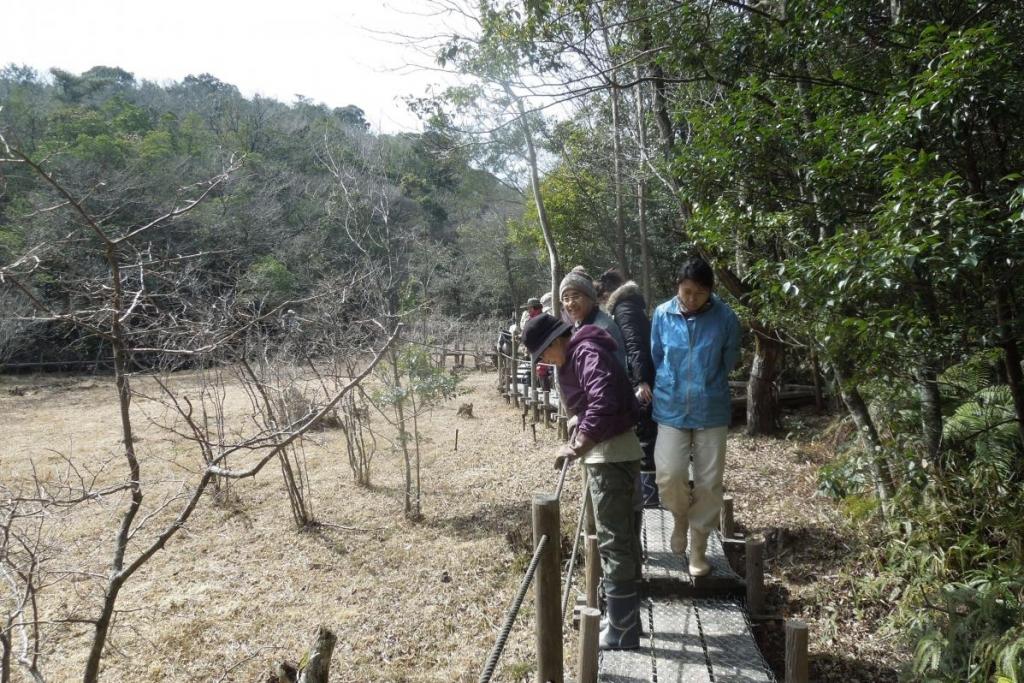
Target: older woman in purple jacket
<point x="595" y="388"/>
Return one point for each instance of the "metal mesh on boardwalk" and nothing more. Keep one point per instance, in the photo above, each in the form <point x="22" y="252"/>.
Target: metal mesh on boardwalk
<point x="686" y="639"/>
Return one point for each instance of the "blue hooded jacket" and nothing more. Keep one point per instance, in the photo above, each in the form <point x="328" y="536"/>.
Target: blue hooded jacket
<point x="693" y="356"/>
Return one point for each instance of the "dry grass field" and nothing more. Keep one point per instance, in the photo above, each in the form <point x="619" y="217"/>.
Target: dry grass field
<point x="239" y="588"/>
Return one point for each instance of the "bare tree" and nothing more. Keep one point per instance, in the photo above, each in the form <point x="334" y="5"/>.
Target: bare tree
<point x="115" y="301"/>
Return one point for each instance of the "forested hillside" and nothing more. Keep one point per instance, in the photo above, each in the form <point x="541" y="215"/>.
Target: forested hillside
<point x="292" y="195"/>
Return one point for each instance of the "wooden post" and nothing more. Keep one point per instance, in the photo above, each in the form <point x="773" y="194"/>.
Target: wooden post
<point x="548" y="588"/>
<point x="755" y="575"/>
<point x="586" y="665"/>
<point x="534" y="398"/>
<point x="545" y="411"/>
<point x="796" y="651"/>
<point x="506" y="388"/>
<point x="593" y="570"/>
<point x="728" y="527"/>
<point x="514" y="373"/>
<point x="500" y="365"/>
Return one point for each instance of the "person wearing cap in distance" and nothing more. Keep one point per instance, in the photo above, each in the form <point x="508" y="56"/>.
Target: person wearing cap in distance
<point x="534" y="307"/>
<point x="532" y="310"/>
<point x="577" y="294"/>
<point x="695" y="342"/>
<point x="597" y="391"/>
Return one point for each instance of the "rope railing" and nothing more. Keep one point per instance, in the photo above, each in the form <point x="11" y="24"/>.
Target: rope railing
<point x="575" y="551"/>
<point x="512" y="613"/>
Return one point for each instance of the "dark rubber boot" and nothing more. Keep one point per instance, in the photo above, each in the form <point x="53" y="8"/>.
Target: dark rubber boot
<point x="622" y="627"/>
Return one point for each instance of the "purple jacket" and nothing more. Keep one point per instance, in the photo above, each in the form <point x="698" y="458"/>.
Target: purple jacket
<point x="595" y="387"/>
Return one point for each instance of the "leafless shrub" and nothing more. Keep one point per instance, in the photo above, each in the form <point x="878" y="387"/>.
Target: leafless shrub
<point x="185" y="324"/>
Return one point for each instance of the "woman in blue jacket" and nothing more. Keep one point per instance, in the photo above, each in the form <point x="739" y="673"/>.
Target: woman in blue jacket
<point x="695" y="342"/>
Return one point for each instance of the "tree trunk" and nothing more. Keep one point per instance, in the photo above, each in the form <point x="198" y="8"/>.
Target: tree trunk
<point x="641" y="196"/>
<point x="762" y="399"/>
<point x="620" y="219"/>
<point x="316" y="662"/>
<point x="402" y="434"/>
<point x="416" y="443"/>
<point x="542" y="214"/>
<point x="819" y="400"/>
<point x="99" y="640"/>
<point x="931" y="410"/>
<point x="124" y="396"/>
<point x="5" y="655"/>
<point x="869" y="439"/>
<point x="506" y="261"/>
<point x="926" y="373"/>
<point x="1011" y="354"/>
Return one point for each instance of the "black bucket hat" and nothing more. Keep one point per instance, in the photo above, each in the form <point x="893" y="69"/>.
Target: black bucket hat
<point x="539" y="332"/>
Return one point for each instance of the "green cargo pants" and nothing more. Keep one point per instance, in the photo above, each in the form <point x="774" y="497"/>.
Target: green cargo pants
<point x="612" y="490"/>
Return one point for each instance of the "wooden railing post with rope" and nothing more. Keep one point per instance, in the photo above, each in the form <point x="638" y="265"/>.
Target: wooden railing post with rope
<point x="546" y="523"/>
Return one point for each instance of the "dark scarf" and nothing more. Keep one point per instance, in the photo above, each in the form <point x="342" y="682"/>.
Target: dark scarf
<point x="703" y="309"/>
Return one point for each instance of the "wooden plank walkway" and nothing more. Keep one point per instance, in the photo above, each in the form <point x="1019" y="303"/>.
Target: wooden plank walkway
<point x="694" y="628"/>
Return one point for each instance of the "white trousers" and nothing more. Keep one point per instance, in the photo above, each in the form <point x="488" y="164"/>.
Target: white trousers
<point x="672" y="453"/>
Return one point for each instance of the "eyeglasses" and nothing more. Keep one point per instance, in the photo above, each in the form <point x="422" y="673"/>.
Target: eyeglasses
<point x="571" y="298"/>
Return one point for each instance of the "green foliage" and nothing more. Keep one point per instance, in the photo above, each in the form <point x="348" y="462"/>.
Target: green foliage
<point x="269" y="278"/>
<point x="959" y="548"/>
<point x="986" y="424"/>
<point x="431" y="383"/>
<point x="846" y="476"/>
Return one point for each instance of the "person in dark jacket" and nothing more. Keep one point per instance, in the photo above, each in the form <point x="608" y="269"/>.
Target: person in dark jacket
<point x="625" y="303"/>
<point x="596" y="390"/>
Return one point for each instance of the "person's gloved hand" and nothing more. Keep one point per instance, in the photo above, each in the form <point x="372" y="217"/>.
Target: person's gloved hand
<point x="565" y="453"/>
<point x="643" y="393"/>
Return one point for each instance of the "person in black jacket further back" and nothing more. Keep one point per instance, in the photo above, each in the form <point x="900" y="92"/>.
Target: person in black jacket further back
<point x="625" y="303"/>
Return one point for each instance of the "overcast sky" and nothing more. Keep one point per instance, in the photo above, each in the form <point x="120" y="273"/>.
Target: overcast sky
<point x="331" y="52"/>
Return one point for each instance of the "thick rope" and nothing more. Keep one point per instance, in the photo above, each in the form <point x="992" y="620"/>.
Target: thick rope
<point x="561" y="478"/>
<point x="575" y="549"/>
<point x="513" y="612"/>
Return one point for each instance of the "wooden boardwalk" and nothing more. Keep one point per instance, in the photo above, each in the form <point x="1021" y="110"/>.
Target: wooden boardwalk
<point x="695" y="630"/>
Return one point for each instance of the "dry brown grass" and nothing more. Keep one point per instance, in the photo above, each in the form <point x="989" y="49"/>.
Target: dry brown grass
<point x="240" y="587"/>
